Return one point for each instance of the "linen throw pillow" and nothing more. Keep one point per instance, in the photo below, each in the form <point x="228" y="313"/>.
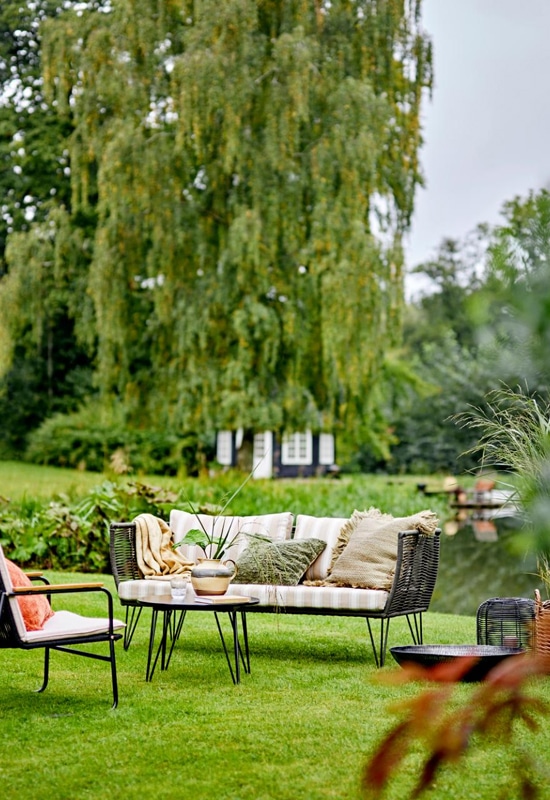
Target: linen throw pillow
<point x="368" y="560"/>
<point x="347" y="529"/>
<point x="36" y="609"/>
<point x="277" y="563"/>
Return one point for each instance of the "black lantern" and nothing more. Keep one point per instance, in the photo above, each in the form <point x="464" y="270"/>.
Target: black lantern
<point x="506" y="622"/>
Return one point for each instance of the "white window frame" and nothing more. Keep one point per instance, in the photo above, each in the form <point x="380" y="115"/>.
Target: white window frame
<point x="224" y="448"/>
<point x="297" y="448"/>
<point x="262" y="454"/>
<point x="326" y="449"/>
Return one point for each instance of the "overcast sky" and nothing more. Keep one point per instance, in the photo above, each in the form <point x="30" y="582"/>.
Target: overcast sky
<point x="487" y="128"/>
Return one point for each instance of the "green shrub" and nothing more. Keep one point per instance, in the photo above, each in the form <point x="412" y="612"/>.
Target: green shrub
<point x="70" y="533"/>
<point x="65" y="534"/>
<point x="98" y="440"/>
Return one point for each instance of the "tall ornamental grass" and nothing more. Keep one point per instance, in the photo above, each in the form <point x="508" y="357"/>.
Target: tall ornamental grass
<point x="514" y="437"/>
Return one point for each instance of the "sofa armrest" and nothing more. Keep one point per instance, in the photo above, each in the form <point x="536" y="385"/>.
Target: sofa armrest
<point x="415" y="573"/>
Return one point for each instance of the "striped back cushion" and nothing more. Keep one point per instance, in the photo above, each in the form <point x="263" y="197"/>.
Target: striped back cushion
<point x="325" y="528"/>
<point x="181" y="522"/>
<point x="276" y="527"/>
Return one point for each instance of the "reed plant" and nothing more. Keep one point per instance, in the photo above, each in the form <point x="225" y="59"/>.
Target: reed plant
<point x="514" y="436"/>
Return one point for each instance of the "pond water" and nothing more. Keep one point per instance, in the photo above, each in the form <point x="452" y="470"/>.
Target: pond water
<point x="479" y="561"/>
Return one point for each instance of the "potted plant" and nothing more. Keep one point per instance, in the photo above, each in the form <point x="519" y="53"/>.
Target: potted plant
<point x="213" y="574"/>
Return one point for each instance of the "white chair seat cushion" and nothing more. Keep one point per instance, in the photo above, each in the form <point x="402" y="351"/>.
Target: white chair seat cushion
<point x="64" y="624"/>
<point x="337" y="598"/>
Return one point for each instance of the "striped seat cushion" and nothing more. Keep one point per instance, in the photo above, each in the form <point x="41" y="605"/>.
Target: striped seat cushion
<point x="335" y="598"/>
<point x="143" y="589"/>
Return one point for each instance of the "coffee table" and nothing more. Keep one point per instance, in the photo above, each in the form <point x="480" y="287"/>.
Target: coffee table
<point x="172" y="626"/>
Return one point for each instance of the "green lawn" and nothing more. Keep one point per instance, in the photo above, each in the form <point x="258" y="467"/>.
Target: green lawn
<point x="18" y="480"/>
<point x="305" y="496"/>
<point x="300" y="726"/>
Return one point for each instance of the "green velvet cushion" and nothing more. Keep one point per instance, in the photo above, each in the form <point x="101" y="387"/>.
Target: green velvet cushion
<point x="277" y="563"/>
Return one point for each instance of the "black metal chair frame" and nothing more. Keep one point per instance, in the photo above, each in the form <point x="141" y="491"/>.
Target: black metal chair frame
<point x="10" y="638"/>
<point x="409" y="596"/>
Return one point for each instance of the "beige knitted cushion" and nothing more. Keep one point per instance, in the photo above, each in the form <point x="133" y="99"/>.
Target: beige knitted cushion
<point x="368" y="560"/>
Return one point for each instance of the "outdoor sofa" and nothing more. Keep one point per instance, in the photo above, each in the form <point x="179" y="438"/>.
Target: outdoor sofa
<point x="408" y="590"/>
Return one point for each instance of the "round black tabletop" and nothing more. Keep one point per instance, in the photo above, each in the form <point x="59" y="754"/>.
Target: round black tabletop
<point x="226" y="603"/>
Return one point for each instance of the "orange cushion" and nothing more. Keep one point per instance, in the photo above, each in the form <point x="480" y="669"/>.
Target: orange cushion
<point x="36" y="609"/>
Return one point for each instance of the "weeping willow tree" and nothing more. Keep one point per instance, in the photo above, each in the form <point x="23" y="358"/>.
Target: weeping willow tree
<point x="250" y="167"/>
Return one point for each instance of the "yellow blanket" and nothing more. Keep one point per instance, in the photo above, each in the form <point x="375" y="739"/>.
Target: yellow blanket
<point x="153" y="548"/>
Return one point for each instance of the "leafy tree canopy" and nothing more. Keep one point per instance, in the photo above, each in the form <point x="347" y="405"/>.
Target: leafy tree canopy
<point x="246" y="170"/>
<point x="34" y="161"/>
<point x="483" y="324"/>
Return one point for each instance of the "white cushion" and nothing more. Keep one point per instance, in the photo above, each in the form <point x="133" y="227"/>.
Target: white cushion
<point x="277" y="527"/>
<point x="325" y="528"/>
<point x="329" y="597"/>
<point x="143" y="589"/>
<point x="181" y="522"/>
<point x="18" y="617"/>
<point x="64" y="624"/>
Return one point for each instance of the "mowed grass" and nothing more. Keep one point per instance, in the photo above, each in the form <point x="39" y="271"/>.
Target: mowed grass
<point x="18" y="480"/>
<point x="300" y="726"/>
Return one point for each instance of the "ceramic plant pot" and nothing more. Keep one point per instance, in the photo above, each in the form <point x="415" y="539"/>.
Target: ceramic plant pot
<point x="212" y="575"/>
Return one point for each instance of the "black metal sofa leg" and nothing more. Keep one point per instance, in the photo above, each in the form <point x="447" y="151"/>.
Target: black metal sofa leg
<point x="416" y="631"/>
<point x="132" y="619"/>
<point x="379" y="656"/>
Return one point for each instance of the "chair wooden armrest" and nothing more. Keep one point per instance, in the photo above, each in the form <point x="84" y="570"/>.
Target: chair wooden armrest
<point x="56" y="588"/>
